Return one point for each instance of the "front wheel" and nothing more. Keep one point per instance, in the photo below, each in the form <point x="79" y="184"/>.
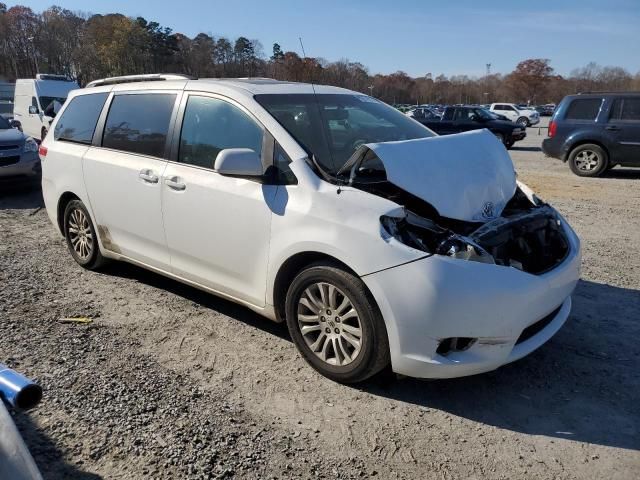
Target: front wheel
<point x="588" y="160"/>
<point x="81" y="236"/>
<point x="523" y="122"/>
<point x="335" y="324"/>
<point x="43" y="133"/>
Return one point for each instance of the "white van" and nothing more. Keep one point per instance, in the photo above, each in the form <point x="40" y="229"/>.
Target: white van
<point x="38" y="100"/>
<point x="376" y="240"/>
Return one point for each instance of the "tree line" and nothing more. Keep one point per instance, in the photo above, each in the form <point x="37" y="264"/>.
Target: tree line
<point x="87" y="47"/>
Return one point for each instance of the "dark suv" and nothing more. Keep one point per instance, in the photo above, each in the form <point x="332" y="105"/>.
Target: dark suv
<point x="595" y="132"/>
<point x="465" y="118"/>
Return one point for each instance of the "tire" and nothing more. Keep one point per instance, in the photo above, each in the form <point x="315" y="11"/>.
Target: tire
<point x="523" y="122"/>
<point x="43" y="133"/>
<point x="327" y="345"/>
<point x="500" y="137"/>
<point x="509" y="145"/>
<point x="588" y="160"/>
<point x="81" y="236"/>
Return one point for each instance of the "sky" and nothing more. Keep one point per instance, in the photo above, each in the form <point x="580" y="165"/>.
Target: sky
<point x="416" y="36"/>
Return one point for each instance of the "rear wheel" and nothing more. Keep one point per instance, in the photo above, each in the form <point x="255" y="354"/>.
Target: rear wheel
<point x="81" y="236"/>
<point x="335" y="324"/>
<point x="588" y="160"/>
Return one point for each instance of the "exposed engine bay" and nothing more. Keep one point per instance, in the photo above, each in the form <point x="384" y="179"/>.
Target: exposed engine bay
<point x="527" y="234"/>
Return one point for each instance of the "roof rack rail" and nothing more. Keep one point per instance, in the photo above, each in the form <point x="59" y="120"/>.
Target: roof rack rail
<point x="52" y="76"/>
<point x="608" y="92"/>
<point x="151" y="77"/>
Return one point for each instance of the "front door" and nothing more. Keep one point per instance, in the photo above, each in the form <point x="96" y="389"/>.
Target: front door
<point x="123" y="176"/>
<point x="217" y="227"/>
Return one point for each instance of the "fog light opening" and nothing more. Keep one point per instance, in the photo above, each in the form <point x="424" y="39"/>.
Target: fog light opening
<point x="454" y="344"/>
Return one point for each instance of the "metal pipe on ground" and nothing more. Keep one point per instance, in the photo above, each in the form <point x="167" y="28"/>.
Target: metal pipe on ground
<point x="17" y="390"/>
<point x="16" y="463"/>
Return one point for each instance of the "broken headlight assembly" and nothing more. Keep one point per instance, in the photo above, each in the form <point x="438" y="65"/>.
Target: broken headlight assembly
<point x="425" y="235"/>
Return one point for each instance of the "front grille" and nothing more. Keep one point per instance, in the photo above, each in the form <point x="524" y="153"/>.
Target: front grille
<point x="537" y="327"/>
<point x="9" y="147"/>
<point x="6" y="161"/>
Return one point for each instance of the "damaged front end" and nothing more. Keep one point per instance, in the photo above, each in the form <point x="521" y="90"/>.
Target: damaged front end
<point x="529" y="238"/>
<point x="460" y="198"/>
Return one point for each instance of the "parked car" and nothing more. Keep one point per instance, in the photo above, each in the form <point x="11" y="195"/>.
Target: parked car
<point x="37" y="101"/>
<point x="377" y="241"/>
<point x="423" y="113"/>
<point x="463" y="119"/>
<point x="523" y="117"/>
<point x="595" y="132"/>
<point x="545" y="110"/>
<point x="19" y="161"/>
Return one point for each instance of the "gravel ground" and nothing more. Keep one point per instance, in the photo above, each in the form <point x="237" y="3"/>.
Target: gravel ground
<point x="169" y="382"/>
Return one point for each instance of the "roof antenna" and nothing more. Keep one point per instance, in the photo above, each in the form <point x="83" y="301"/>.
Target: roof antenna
<point x="315" y="96"/>
<point x="305" y="56"/>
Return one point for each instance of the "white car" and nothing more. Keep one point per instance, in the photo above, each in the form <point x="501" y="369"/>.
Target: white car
<point x="377" y="241"/>
<point x="526" y="117"/>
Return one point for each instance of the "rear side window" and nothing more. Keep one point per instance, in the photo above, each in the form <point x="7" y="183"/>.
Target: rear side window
<point x="211" y="125"/>
<point x="138" y="123"/>
<point x="79" y="119"/>
<point x="584" y="109"/>
<point x="626" y="109"/>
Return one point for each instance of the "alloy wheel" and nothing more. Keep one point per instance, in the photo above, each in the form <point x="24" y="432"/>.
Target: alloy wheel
<point x="330" y="324"/>
<point x="80" y="234"/>
<point x="587" y="160"/>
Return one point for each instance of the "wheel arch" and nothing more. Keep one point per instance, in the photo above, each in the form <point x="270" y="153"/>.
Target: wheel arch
<point x="290" y="268"/>
<point x="583" y="141"/>
<point x="63" y="201"/>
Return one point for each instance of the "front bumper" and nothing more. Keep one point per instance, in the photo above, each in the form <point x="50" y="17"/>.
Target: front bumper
<point x="517" y="136"/>
<point x="534" y="121"/>
<point x="26" y="170"/>
<point x="426" y="301"/>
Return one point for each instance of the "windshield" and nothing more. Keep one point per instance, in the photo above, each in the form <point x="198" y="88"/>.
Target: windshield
<point x="46" y="101"/>
<point x="482" y="113"/>
<point x="490" y="114"/>
<point x="332" y="126"/>
<point x="4" y="124"/>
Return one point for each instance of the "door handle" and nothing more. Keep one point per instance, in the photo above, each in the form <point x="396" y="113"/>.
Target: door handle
<point x="148" y="176"/>
<point x="175" y="183"/>
<point x="612" y="128"/>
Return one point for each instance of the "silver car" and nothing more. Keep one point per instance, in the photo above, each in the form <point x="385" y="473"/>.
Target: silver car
<point x="19" y="161"/>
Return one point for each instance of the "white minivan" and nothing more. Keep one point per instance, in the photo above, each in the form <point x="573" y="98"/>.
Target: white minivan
<point x="38" y="100"/>
<point x="378" y="242"/>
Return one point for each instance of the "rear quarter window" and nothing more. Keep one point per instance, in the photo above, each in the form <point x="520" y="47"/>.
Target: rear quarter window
<point x="78" y="121"/>
<point x="583" y="109"/>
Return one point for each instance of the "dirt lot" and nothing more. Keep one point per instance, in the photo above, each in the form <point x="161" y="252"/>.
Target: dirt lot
<point x="168" y="382"/>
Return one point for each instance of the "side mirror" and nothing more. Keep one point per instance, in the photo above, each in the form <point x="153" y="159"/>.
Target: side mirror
<point x="241" y="162"/>
<point x="33" y="110"/>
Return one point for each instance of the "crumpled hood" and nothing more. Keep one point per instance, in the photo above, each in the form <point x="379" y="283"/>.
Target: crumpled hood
<point x="468" y="176"/>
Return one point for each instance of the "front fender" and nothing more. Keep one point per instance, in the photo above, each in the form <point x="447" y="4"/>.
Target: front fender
<point x="344" y="223"/>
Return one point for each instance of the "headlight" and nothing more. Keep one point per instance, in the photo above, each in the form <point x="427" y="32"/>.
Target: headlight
<point x="425" y="235"/>
<point x="30" y="145"/>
